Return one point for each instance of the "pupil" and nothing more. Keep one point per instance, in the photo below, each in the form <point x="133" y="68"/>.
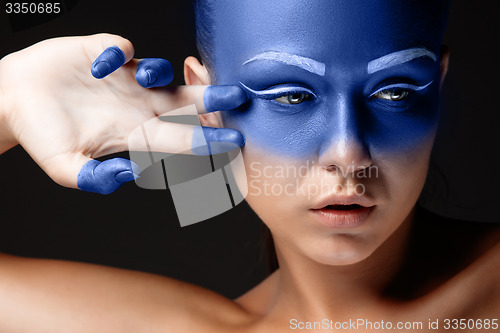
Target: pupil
<point x="296" y="98"/>
<point x="398" y="95"/>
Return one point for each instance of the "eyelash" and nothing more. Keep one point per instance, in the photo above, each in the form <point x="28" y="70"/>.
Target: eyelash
<point x="274" y="93"/>
<point x="405" y="87"/>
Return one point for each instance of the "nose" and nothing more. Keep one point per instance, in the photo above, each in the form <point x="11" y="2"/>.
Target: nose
<point x="344" y="147"/>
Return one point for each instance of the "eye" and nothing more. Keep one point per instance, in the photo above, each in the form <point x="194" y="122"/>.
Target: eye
<point x="397" y="92"/>
<point x="291" y="94"/>
<point x="293" y="98"/>
<point x="394" y="95"/>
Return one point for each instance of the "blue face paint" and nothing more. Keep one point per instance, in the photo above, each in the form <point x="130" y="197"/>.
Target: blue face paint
<point x="322" y="72"/>
<point x="106" y="177"/>
<point x="109" y="61"/>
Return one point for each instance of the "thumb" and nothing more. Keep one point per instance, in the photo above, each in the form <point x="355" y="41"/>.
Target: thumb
<point x="106" y="177"/>
<point x="110" y="53"/>
<point x="91" y="175"/>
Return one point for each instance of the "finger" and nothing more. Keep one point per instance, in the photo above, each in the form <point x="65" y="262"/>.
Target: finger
<point x="223" y="98"/>
<point x="174" y="138"/>
<point x="205" y="98"/>
<point x="154" y="72"/>
<point x="106" y="177"/>
<point x="76" y="170"/>
<point x="211" y="141"/>
<point x="114" y="51"/>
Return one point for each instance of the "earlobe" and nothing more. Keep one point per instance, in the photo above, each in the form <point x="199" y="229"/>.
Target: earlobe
<point x="195" y="73"/>
<point x="445" y="58"/>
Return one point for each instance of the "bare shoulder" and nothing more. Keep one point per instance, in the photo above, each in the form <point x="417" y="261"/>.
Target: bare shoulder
<point x="260" y="299"/>
<point x="59" y="296"/>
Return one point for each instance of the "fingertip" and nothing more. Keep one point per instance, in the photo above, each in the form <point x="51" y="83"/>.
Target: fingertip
<point x="224" y="98"/>
<point x="154" y="72"/>
<point x="124" y="176"/>
<point x="106" y="177"/>
<point x="209" y="141"/>
<point x="228" y="135"/>
<point x="107" y="62"/>
<point x="146" y="78"/>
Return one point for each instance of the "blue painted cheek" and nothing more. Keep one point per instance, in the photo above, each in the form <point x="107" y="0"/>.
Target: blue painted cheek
<point x="280" y="130"/>
<point x="399" y="132"/>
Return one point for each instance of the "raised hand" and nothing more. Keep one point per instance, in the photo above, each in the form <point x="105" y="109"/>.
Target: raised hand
<point x="64" y="117"/>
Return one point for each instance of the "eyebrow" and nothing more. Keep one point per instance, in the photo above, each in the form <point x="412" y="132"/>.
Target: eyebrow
<point x="307" y="64"/>
<point x="398" y="58"/>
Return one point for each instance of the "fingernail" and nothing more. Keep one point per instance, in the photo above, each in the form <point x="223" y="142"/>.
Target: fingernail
<point x="146" y="78"/>
<point x="108" y="61"/>
<point x="124" y="176"/>
<point x="101" y="69"/>
<point x="152" y="76"/>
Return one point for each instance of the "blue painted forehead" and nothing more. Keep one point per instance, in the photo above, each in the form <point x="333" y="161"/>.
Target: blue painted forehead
<point x="230" y="30"/>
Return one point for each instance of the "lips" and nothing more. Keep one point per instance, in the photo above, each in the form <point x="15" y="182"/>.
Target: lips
<point x="343" y="211"/>
<point x="336" y="202"/>
<point x="342" y="207"/>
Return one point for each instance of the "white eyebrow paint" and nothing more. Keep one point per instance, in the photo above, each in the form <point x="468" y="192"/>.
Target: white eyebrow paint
<point x="307" y="64"/>
<point x="398" y="58"/>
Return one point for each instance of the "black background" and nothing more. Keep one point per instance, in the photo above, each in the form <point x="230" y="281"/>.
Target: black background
<point x="138" y="229"/>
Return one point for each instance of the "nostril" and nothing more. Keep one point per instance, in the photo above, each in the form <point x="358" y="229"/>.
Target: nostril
<point x="331" y="168"/>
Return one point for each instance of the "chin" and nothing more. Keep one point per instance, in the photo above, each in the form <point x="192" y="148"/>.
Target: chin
<point x="341" y="250"/>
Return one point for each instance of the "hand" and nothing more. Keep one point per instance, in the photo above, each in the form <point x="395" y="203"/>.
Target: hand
<point x="64" y="118"/>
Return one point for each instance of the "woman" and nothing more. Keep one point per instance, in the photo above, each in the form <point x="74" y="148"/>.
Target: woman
<point x="339" y="126"/>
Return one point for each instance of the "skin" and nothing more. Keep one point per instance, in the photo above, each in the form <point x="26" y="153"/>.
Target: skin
<point x="342" y="128"/>
<point x="97" y="120"/>
<point x="324" y="273"/>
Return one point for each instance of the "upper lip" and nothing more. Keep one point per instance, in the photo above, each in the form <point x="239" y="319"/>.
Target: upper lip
<point x="334" y="199"/>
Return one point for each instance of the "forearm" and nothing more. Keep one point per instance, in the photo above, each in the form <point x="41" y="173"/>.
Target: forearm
<point x="7" y="139"/>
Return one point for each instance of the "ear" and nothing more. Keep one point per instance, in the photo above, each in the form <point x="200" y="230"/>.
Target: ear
<point x="197" y="74"/>
<point x="445" y="59"/>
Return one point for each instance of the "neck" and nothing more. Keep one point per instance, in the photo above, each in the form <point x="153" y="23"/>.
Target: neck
<point x="311" y="290"/>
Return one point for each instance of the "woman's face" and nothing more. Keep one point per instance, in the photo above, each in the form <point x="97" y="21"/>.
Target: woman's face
<point x="341" y="119"/>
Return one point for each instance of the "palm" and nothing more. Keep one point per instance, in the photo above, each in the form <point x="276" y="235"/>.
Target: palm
<point x="68" y="106"/>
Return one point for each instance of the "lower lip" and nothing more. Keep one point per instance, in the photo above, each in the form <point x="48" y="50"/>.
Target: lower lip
<point x="352" y="218"/>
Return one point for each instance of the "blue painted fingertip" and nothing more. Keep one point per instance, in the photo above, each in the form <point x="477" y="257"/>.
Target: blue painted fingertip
<point x="125" y="176"/>
<point x="106" y="177"/>
<point x="108" y="61"/>
<point x="154" y="72"/>
<point x="211" y="141"/>
<point x="223" y="98"/>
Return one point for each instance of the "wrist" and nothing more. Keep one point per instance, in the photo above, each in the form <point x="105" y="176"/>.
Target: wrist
<point x="7" y="140"/>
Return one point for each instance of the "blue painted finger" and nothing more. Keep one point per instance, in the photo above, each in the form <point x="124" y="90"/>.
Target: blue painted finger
<point x="154" y="72"/>
<point x="106" y="177"/>
<point x="210" y="141"/>
<point x="223" y="98"/>
<point x="108" y="61"/>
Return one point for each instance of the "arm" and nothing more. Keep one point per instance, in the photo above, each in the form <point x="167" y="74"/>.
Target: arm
<point x="7" y="140"/>
<point x="56" y="296"/>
